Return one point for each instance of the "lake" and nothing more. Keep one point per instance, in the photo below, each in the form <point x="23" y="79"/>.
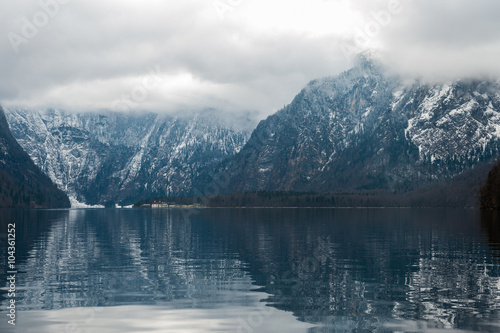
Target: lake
<point x="253" y="270"/>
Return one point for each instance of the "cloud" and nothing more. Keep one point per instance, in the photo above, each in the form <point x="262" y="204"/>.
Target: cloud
<point x="89" y="55"/>
<point x="444" y="40"/>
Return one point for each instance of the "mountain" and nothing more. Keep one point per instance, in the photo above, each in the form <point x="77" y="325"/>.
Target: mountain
<point x="364" y="130"/>
<point x="107" y="158"/>
<point x="22" y="184"/>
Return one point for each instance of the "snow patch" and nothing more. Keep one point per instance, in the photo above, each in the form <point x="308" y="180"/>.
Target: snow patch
<point x="442" y="121"/>
<point x="432" y="101"/>
<point x="464" y="109"/>
<point x="77" y="204"/>
<point x="410" y="126"/>
<point x="367" y="112"/>
<point x="118" y="206"/>
<point x="398" y="95"/>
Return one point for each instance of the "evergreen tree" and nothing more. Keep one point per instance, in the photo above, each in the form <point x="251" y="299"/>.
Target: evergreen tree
<point x="490" y="191"/>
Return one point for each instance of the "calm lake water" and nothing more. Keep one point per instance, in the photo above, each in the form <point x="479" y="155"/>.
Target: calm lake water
<point x="253" y="270"/>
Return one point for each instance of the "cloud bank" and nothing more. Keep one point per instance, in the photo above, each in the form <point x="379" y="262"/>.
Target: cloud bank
<point x="237" y="56"/>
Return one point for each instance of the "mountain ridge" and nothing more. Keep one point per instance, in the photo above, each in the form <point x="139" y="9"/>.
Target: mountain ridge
<point x="107" y="158"/>
<point x="360" y="130"/>
<point x="364" y="130"/>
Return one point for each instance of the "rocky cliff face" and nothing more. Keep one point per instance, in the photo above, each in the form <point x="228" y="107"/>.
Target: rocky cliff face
<point x="365" y="130"/>
<point x="22" y="183"/>
<point x="112" y="157"/>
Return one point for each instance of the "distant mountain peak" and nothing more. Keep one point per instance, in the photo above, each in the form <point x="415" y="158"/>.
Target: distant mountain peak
<point x="363" y="129"/>
<point x="367" y="61"/>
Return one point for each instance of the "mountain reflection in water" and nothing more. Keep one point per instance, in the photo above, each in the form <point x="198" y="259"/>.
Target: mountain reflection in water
<point x="316" y="270"/>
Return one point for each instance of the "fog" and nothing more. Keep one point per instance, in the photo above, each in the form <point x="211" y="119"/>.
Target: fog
<point x="240" y="57"/>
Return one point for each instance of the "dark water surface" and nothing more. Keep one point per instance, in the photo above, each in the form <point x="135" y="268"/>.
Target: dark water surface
<point x="253" y="270"/>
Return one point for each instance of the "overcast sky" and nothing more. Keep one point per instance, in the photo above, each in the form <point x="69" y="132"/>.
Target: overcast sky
<point x="239" y="56"/>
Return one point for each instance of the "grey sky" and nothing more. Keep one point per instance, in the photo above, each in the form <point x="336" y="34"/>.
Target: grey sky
<point x="239" y="56"/>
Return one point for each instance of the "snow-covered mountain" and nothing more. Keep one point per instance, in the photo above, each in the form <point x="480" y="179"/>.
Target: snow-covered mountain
<point x="359" y="130"/>
<point x="113" y="157"/>
<point x="22" y="184"/>
<point x="366" y="130"/>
